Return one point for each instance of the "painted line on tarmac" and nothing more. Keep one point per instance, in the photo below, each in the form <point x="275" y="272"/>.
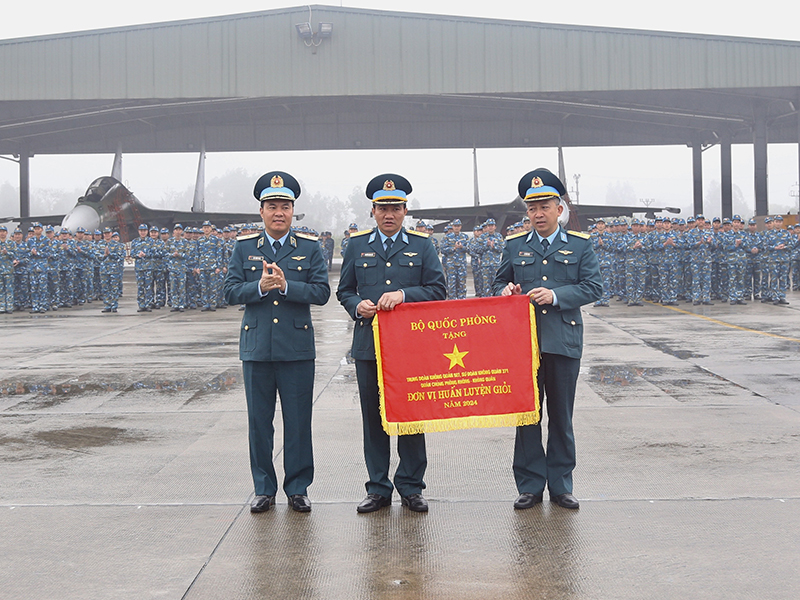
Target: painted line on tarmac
<point x="724" y="324"/>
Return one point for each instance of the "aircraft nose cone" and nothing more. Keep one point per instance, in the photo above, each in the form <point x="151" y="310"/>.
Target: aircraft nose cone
<point x="81" y="216"/>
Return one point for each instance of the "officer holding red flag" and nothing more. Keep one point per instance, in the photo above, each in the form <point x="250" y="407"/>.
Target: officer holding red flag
<point x="559" y="271"/>
<point x="384" y="267"/>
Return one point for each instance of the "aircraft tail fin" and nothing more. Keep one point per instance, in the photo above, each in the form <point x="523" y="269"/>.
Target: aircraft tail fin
<point x="116" y="168"/>
<point x="199" y="202"/>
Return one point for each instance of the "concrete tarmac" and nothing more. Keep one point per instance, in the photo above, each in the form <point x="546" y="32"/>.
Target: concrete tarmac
<point x="124" y="469"/>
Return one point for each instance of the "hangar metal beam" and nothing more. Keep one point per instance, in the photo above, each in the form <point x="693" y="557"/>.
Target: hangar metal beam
<point x="726" y="174"/>
<point x="760" y="160"/>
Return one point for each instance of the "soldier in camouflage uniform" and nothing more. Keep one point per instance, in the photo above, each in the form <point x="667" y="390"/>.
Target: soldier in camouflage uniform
<point x="39" y="252"/>
<point x="97" y="237"/>
<point x="22" y="284"/>
<point x="779" y="243"/>
<point x="795" y="259"/>
<point x="108" y="253"/>
<point x="701" y="245"/>
<point x="475" y="261"/>
<point x="667" y="244"/>
<point x="491" y="246"/>
<point x="734" y="243"/>
<point x="635" y="263"/>
<point x="454" y="248"/>
<point x="66" y="257"/>
<point x="160" y="238"/>
<point x="8" y="260"/>
<point x="602" y="243"/>
<point x="142" y="254"/>
<point x="209" y="258"/>
<point x="83" y="252"/>
<point x="351" y="229"/>
<point x="429" y="230"/>
<point x="752" y="241"/>
<point x="176" y="251"/>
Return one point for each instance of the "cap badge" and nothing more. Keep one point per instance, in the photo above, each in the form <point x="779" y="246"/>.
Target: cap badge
<point x="276" y="182"/>
<point x="536" y="183"/>
<point x="388" y="185"/>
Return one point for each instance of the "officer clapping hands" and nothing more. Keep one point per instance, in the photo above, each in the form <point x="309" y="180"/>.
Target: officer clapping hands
<point x="272" y="278"/>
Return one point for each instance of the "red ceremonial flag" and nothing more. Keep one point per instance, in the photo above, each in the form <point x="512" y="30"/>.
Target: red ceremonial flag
<point x="457" y="364"/>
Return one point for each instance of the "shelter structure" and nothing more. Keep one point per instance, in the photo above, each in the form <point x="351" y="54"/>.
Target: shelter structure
<point x="340" y="78"/>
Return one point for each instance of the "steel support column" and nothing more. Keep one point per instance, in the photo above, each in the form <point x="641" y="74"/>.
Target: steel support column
<point x="24" y="185"/>
<point x="760" y="160"/>
<point x="726" y="171"/>
<point x="697" y="176"/>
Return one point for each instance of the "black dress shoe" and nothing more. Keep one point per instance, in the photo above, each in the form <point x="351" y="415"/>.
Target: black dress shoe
<point x="415" y="502"/>
<point x="742" y="302"/>
<point x="527" y="500"/>
<point x="708" y="303"/>
<point x="372" y="503"/>
<point x="565" y="500"/>
<point x="261" y="503"/>
<point x="300" y="503"/>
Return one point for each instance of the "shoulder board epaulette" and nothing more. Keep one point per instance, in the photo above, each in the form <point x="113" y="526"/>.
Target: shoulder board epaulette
<point x="516" y="235"/>
<point x="362" y="232"/>
<point x="306" y="236"/>
<point x="419" y="233"/>
<point x="249" y="236"/>
<point x="579" y="234"/>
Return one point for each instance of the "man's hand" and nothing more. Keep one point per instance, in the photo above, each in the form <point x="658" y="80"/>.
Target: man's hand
<point x="390" y="299"/>
<point x="366" y="309"/>
<point x="272" y="278"/>
<point x="511" y="289"/>
<point x="541" y="296"/>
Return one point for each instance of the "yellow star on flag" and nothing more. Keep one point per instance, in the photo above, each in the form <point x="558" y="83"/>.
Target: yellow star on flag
<point x="456" y="358"/>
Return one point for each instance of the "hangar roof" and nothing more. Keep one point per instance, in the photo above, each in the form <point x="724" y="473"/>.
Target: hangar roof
<point x="387" y="80"/>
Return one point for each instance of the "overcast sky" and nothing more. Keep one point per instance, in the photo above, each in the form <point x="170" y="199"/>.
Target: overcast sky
<point x="663" y="174"/>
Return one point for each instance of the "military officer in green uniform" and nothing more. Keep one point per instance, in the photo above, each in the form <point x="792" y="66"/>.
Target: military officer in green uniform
<point x="384" y="267"/>
<point x="558" y="269"/>
<point x="278" y="274"/>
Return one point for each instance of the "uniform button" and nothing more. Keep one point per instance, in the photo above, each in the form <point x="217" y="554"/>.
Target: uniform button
<point x="305" y="326"/>
<point x="544" y="311"/>
<point x="544" y="277"/>
<point x="274" y="320"/>
<point x="572" y="322"/>
<point x="247" y="327"/>
<point x="523" y="262"/>
<point x="299" y="268"/>
<point x="388" y="282"/>
<point x="275" y="302"/>
<point x="544" y="262"/>
<point x="388" y="264"/>
<point x="361" y="323"/>
<point x="410" y="264"/>
<point x="252" y="268"/>
<point x="365" y="264"/>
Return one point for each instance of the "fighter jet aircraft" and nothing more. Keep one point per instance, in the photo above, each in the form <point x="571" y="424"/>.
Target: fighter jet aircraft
<point x="575" y="216"/>
<point x="108" y="203"/>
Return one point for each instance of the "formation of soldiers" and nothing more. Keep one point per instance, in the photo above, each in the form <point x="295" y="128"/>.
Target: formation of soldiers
<point x="662" y="260"/>
<point x="697" y="260"/>
<point x="42" y="271"/>
<point x="181" y="269"/>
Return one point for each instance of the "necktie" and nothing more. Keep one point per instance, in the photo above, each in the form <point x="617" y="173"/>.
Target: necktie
<point x="276" y="245"/>
<point x="545" y="244"/>
<point x="388" y="244"/>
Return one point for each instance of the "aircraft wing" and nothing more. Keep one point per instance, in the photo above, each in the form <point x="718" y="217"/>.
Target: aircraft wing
<point x="471" y="215"/>
<point x="44" y="220"/>
<point x="593" y="211"/>
<point x="167" y="218"/>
